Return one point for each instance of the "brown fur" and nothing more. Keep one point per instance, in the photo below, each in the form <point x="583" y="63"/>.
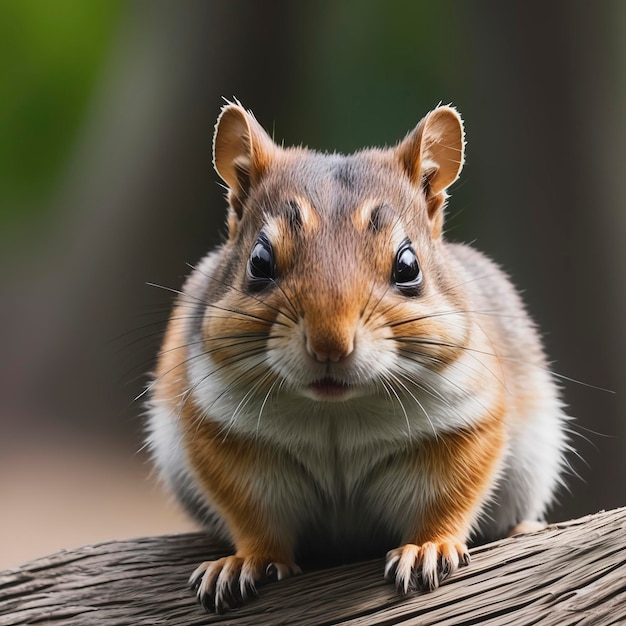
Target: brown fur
<point x="461" y="466"/>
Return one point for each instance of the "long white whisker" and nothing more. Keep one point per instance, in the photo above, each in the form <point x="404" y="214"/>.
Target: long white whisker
<point x="421" y="406"/>
<point x="406" y="416"/>
<point x="246" y="399"/>
<point x="267" y="395"/>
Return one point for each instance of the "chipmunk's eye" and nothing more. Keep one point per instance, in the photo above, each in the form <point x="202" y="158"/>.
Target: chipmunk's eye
<point x="261" y="268"/>
<point x="407" y="274"/>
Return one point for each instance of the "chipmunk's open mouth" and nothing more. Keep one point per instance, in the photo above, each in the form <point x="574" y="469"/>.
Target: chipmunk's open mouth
<point x="329" y="388"/>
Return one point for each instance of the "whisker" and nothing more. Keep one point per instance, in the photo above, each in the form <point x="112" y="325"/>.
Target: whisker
<point x="580" y="382"/>
<point x="227" y="363"/>
<point x="239" y="381"/>
<point x="419" y="318"/>
<point x="292" y="306"/>
<point x="441" y="344"/>
<point x="252" y="338"/>
<point x="178" y="292"/>
<point x="464" y="392"/>
<point x="501" y="357"/>
<point x="474" y="374"/>
<point x="373" y="309"/>
<point x="145" y="337"/>
<point x="244" y="314"/>
<point x="421" y="406"/>
<point x="294" y="319"/>
<point x="162" y="323"/>
<point x="247" y="398"/>
<point x="246" y="339"/>
<point x="406" y="374"/>
<point x="472" y="354"/>
<point x="380" y="378"/>
<point x="395" y="393"/>
<point x="267" y="395"/>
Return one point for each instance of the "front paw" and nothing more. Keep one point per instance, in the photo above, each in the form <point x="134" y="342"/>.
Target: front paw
<point x="228" y="582"/>
<point x="423" y="567"/>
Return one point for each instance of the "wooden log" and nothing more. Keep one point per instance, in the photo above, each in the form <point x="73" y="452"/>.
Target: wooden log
<point x="570" y="573"/>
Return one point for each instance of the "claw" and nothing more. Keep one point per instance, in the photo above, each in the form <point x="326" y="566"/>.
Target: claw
<point x="196" y="577"/>
<point x="423" y="567"/>
<point x="207" y="602"/>
<point x="282" y="571"/>
<point x="391" y="565"/>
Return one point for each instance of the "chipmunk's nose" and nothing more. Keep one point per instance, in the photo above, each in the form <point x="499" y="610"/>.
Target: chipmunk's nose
<point x="325" y="344"/>
<point x="324" y="352"/>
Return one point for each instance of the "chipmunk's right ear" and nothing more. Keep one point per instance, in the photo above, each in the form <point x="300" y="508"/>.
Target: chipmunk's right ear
<point x="242" y="151"/>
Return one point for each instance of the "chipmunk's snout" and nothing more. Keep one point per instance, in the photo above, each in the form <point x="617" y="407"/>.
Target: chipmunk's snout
<point x="331" y="317"/>
<point x="330" y="337"/>
<point x="334" y="347"/>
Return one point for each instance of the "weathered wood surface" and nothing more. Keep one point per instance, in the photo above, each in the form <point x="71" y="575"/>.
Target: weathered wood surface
<point x="571" y="573"/>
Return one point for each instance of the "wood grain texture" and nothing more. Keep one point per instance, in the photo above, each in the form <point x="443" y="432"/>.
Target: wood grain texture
<point x="571" y="573"/>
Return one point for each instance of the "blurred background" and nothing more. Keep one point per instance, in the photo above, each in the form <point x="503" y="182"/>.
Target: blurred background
<point x="106" y="118"/>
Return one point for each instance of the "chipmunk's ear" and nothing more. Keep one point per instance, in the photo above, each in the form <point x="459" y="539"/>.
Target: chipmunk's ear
<point x="432" y="155"/>
<point x="242" y="151"/>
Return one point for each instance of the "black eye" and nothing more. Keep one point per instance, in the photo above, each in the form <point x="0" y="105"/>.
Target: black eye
<point x="407" y="274"/>
<point x="261" y="268"/>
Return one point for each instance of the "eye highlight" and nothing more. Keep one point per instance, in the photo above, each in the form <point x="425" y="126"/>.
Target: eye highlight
<point x="261" y="270"/>
<point x="407" y="274"/>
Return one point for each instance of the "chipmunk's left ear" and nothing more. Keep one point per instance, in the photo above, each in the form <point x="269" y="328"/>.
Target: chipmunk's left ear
<point x="432" y="155"/>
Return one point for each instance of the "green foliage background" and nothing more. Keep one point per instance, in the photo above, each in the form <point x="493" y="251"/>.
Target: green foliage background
<point x="51" y="54"/>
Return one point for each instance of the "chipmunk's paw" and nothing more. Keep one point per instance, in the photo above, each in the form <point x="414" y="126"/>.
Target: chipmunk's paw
<point x="423" y="567"/>
<point x="229" y="582"/>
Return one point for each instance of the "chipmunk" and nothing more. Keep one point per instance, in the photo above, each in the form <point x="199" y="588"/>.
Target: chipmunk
<point x="339" y="380"/>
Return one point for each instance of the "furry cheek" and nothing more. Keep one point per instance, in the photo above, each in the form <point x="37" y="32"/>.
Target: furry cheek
<point x="435" y="339"/>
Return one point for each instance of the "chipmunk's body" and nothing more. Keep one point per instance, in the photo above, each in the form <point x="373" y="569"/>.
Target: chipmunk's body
<point x="338" y="380"/>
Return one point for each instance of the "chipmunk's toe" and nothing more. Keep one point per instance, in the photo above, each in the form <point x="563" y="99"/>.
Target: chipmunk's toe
<point x="230" y="581"/>
<point x="423" y="567"/>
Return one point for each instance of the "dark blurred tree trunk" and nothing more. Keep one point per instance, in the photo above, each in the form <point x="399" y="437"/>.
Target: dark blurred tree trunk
<point x="542" y="77"/>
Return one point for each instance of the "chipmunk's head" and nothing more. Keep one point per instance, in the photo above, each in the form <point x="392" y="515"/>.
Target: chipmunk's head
<point x="336" y="282"/>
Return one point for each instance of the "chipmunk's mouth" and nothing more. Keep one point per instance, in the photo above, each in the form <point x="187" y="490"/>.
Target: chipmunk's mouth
<point x="329" y="388"/>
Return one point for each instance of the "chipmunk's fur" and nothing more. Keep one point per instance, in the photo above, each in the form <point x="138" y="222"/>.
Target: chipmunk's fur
<point x="337" y="379"/>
